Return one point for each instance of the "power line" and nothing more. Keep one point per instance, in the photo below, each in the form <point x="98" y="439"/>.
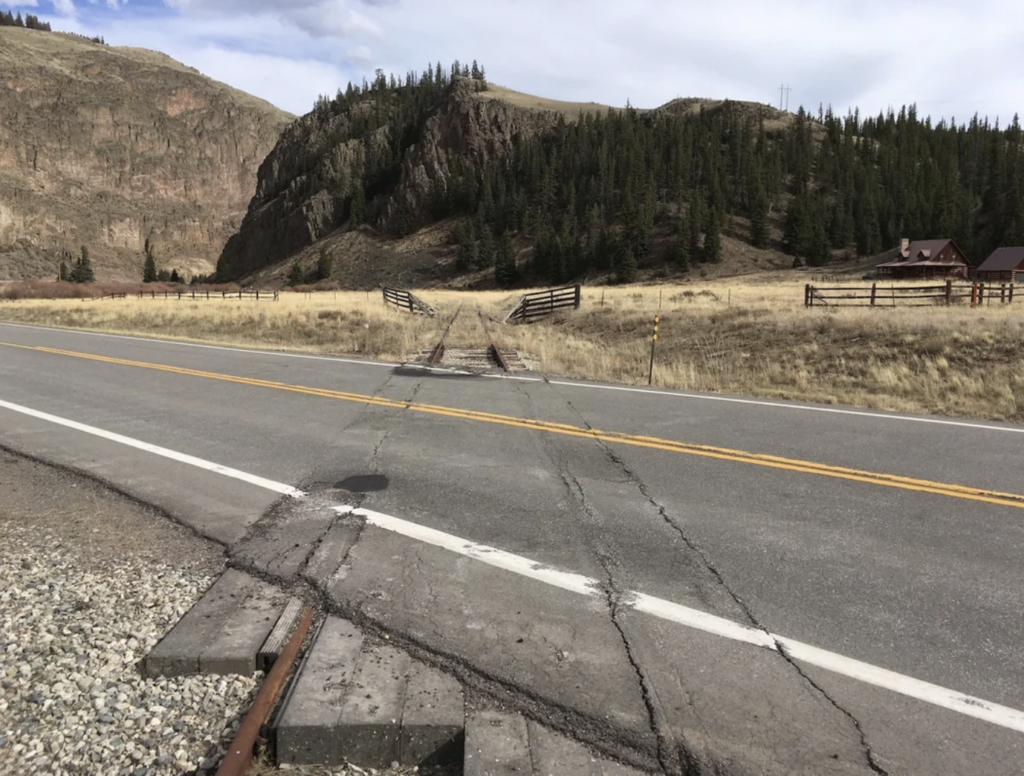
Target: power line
<point x="784" y="97"/>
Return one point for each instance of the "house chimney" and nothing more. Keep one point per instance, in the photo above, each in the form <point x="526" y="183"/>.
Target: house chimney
<point x="904" y="245"/>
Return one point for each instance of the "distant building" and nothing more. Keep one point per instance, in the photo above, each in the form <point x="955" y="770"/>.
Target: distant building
<point x="925" y="260"/>
<point x="1005" y="265"/>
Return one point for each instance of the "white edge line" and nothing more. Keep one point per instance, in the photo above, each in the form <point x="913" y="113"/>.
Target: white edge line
<point x="560" y="383"/>
<point x="970" y="706"/>
<point x="1003" y="716"/>
<point x="252" y="479"/>
<point x="575" y="583"/>
<point x="996" y="714"/>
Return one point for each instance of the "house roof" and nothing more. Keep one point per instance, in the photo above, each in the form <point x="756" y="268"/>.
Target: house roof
<point x="1003" y="260"/>
<point x="921" y="252"/>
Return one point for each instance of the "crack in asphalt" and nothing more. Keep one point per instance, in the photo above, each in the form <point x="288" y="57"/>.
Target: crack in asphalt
<point x="613" y="599"/>
<point x="869" y="751"/>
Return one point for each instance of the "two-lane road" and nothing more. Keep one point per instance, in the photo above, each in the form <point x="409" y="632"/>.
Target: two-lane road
<point x="884" y="550"/>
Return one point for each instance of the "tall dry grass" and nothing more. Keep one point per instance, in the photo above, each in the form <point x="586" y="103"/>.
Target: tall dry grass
<point x="751" y="338"/>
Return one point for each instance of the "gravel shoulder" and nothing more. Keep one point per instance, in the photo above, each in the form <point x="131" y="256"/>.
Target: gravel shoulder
<point x="90" y="581"/>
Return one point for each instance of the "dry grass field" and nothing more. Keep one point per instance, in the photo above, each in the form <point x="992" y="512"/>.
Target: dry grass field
<point x="751" y="337"/>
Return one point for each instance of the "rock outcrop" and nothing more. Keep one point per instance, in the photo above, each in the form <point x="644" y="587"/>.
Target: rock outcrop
<point x="116" y="147"/>
<point x="306" y="186"/>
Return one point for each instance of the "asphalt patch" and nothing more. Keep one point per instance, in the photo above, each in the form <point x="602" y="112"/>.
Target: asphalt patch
<point x="364" y="483"/>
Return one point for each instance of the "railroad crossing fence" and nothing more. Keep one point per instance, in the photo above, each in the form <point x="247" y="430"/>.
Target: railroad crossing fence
<point x="404" y="300"/>
<point x="542" y="303"/>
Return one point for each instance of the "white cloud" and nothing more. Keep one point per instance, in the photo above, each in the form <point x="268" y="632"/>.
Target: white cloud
<point x="948" y="56"/>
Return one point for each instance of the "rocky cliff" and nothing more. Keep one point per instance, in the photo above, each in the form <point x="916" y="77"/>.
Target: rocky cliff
<point x="400" y="148"/>
<point x="113" y="147"/>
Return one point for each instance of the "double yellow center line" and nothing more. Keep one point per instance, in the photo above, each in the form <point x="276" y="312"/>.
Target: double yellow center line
<point x="614" y="437"/>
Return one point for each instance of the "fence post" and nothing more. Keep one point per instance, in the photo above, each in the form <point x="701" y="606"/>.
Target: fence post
<point x="949" y="293"/>
<point x="579" y="294"/>
<point x="808" y="299"/>
<point x="981" y="294"/>
<point x="874" y="293"/>
<point x="1002" y="293"/>
<point x="1010" y="300"/>
<point x="654" y="342"/>
<point x="974" y="295"/>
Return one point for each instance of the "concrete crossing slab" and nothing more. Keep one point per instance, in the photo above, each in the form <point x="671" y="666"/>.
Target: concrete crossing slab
<point x="306" y="730"/>
<point x="178" y="653"/>
<point x="433" y="718"/>
<point x="235" y="649"/>
<point x="371" y="716"/>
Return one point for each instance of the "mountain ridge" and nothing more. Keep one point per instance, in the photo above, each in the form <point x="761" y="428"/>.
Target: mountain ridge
<point x="117" y="149"/>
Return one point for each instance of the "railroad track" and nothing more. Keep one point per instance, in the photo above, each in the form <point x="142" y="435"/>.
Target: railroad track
<point x="437" y="354"/>
<point x="483" y="356"/>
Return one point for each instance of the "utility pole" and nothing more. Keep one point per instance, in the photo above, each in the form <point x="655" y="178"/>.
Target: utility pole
<point x="784" y="96"/>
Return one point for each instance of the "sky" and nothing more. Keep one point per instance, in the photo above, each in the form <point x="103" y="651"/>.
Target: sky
<point x="951" y="58"/>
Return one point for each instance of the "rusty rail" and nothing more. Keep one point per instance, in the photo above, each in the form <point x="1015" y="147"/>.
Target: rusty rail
<point x="239" y="756"/>
<point x="437" y="354"/>
<point x="492" y="348"/>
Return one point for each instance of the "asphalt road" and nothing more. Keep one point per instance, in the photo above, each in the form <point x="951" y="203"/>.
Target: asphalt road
<point x="891" y="540"/>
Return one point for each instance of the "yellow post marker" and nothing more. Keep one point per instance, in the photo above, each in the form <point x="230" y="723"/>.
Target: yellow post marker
<point x="654" y="342"/>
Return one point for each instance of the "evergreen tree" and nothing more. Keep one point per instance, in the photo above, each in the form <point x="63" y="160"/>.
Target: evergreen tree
<point x="681" y="252"/>
<point x="696" y="218"/>
<point x="625" y="263"/>
<point x="149" y="272"/>
<point x="295" y="274"/>
<point x="505" y="271"/>
<point x="62" y="271"/>
<point x="175" y="277"/>
<point x="357" y="210"/>
<point x="163" y="276"/>
<point x="486" y="249"/>
<point x="324" y="265"/>
<point x="713" y="240"/>
<point x="82" y="272"/>
<point x="760" y="236"/>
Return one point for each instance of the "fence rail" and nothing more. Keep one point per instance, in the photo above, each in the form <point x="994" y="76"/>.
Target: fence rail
<point x="543" y="303"/>
<point x="908" y="296"/>
<point x="270" y="296"/>
<point x="407" y="301"/>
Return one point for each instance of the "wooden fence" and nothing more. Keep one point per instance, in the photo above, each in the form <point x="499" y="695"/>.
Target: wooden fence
<point x="543" y="303"/>
<point x="908" y="296"/>
<point x="406" y="301"/>
<point x="269" y="296"/>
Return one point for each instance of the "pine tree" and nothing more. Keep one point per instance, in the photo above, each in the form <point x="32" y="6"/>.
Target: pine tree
<point x="625" y="263"/>
<point x="357" y="210"/>
<point x="149" y="272"/>
<point x="760" y="236"/>
<point x="175" y="277"/>
<point x="696" y="218"/>
<point x="295" y="274"/>
<point x="505" y="271"/>
<point x="681" y="253"/>
<point x="713" y="239"/>
<point x="324" y="265"/>
<point x="486" y="248"/>
<point x="82" y="271"/>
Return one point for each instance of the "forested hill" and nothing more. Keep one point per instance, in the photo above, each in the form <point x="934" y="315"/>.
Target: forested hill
<point x="622" y="189"/>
